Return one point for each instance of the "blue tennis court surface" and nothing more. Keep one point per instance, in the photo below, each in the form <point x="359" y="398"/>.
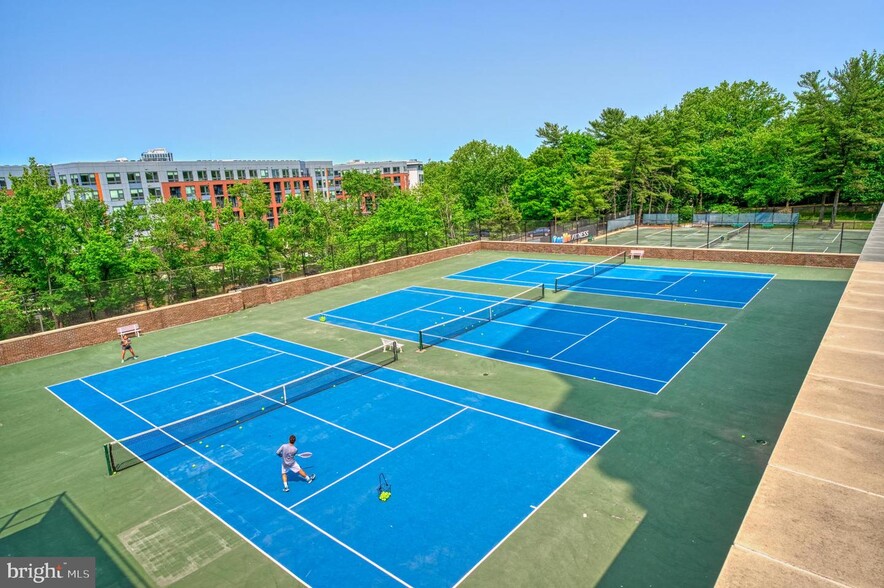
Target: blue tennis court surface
<point x="639" y="351"/>
<point x="456" y="459"/>
<point x="691" y="286"/>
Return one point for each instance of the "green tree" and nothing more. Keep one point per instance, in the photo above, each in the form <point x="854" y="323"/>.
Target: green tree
<point x="253" y="242"/>
<point x="482" y="170"/>
<point x="841" y="121"/>
<point x="596" y="184"/>
<point x="542" y="193"/>
<point x="367" y="189"/>
<point x="36" y="238"/>
<point x="439" y="194"/>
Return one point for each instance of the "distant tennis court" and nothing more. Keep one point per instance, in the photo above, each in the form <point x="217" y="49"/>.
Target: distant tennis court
<point x="632" y="350"/>
<point x="616" y="278"/>
<point x="210" y="420"/>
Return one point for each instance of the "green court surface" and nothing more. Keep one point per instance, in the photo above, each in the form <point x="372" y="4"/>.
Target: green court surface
<point x="660" y="505"/>
<point x="757" y="238"/>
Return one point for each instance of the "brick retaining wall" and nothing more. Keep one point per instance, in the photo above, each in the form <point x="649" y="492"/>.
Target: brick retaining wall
<point x="68" y="338"/>
<point x="74" y="337"/>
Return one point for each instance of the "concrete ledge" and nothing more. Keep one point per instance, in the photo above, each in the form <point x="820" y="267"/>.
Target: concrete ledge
<point x="747" y="569"/>
<point x="789" y="511"/>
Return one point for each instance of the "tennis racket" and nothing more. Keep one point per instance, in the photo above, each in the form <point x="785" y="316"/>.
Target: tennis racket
<point x="305" y="454"/>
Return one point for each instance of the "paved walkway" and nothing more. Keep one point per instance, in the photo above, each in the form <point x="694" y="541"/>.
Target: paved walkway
<point x="817" y="518"/>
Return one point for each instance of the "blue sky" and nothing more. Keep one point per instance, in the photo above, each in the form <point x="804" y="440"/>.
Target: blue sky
<point x="373" y="80"/>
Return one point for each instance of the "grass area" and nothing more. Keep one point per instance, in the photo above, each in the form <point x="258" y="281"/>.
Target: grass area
<point x="660" y="505"/>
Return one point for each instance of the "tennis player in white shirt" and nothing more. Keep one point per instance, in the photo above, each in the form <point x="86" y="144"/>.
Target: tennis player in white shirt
<point x="288" y="451"/>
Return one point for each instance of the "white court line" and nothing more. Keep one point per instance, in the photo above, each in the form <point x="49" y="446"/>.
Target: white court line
<point x="584" y="338"/>
<point x="390" y="450"/>
<point x="148" y="360"/>
<point x="258" y="490"/>
<point x="526" y="271"/>
<point x="671" y="269"/>
<point x="554" y="307"/>
<point x="186" y="495"/>
<point x="416" y="391"/>
<point x="592" y="311"/>
<point x="673" y="283"/>
<point x="525" y="365"/>
<point x="388" y="318"/>
<point x="198" y="379"/>
<point x="582" y="289"/>
<point x="516" y="528"/>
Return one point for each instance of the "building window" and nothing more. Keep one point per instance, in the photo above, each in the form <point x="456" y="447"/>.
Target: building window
<point x="274" y="173"/>
<point x="113" y="178"/>
<point x="202" y="175"/>
<point x="228" y="174"/>
<point x="219" y="190"/>
<point x="253" y="173"/>
<point x="204" y="191"/>
<point x="2" y="183"/>
<point x="136" y="193"/>
<point x="240" y="174"/>
<point x="133" y="177"/>
<point x="386" y="170"/>
<point x="154" y="193"/>
<point x="264" y="173"/>
<point x="86" y="179"/>
<point x="216" y="174"/>
<point x="152" y="176"/>
<point x="187" y="176"/>
<point x="190" y="191"/>
<point x="395" y="170"/>
<point x="233" y="201"/>
<point x="172" y="176"/>
<point x="175" y="191"/>
<point x="285" y="173"/>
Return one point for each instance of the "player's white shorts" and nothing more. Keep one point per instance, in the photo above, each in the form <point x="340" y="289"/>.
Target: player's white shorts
<point x="294" y="468"/>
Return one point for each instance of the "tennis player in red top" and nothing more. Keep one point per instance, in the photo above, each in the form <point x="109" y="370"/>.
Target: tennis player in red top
<point x="288" y="451"/>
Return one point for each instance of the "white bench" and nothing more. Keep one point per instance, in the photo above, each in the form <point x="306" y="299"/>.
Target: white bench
<point x="128" y="330"/>
<point x="639" y="253"/>
<point x="391" y="345"/>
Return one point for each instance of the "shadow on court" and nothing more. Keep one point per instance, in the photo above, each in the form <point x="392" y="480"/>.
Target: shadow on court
<point x="56" y="527"/>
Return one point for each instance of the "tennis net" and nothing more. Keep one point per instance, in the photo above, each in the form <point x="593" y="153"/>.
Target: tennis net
<point x="585" y="273"/>
<point x="726" y="237"/>
<point x="158" y="441"/>
<point x="461" y="324"/>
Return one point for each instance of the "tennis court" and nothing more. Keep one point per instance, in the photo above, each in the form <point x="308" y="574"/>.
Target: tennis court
<point x="210" y="419"/>
<point x="632" y="350"/>
<point x="615" y="277"/>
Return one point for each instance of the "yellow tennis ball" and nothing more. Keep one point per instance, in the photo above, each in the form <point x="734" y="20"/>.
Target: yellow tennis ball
<point x="322" y="319"/>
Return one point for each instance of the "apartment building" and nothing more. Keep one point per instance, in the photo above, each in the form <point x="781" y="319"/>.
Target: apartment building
<point x="157" y="176"/>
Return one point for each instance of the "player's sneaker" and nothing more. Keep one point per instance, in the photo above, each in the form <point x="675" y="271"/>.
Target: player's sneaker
<point x="311" y="478"/>
<point x="286" y="489"/>
<point x="122" y="361"/>
<point x="136" y="357"/>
